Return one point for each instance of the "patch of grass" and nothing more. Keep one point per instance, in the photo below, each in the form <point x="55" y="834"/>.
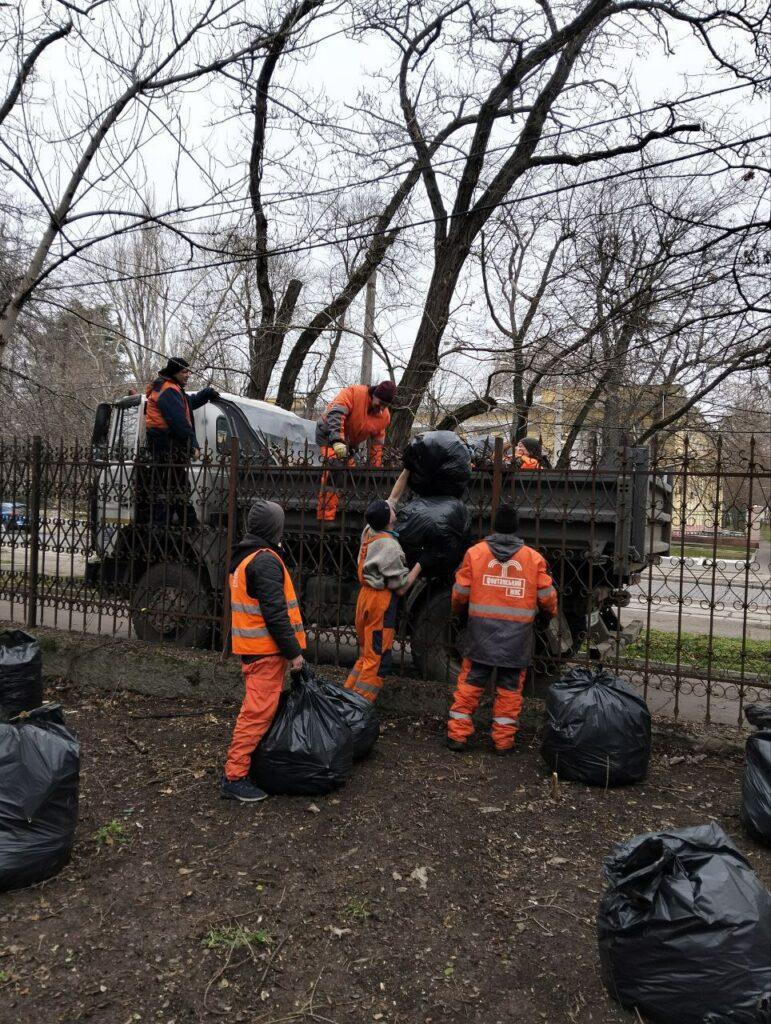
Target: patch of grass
<point x="112" y="834"/>
<point x="357" y="909"/>
<point x="694" y="650"/>
<point x="4" y="976"/>
<point x="765" y="531"/>
<point x="235" y="936"/>
<point x="705" y="551"/>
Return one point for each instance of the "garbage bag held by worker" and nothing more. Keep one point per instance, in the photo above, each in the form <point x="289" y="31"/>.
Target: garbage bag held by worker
<point x="308" y="749"/>
<point x="39" y="773"/>
<point x="357" y="712"/>
<point x="438" y="525"/>
<point x="684" y="930"/>
<point x="756" y="783"/>
<point x="598" y="730"/>
<point x="439" y="464"/>
<point x="21" y="673"/>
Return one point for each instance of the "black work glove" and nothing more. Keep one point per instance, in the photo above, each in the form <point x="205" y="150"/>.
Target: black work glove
<point x="542" y="620"/>
<point x="211" y="394"/>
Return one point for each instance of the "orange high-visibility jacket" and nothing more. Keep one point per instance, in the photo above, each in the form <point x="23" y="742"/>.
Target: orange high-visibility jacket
<point x="503" y="599"/>
<point x="249" y="631"/>
<point x="154" y="418"/>
<point x="348" y="419"/>
<point x="528" y="462"/>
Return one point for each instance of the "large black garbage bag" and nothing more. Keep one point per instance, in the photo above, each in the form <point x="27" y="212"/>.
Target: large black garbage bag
<point x="439" y="464"/>
<point x="440" y="526"/>
<point x="357" y="712"/>
<point x="308" y="748"/>
<point x="21" y="673"/>
<point x="598" y="730"/>
<point x="39" y="770"/>
<point x="756" y="783"/>
<point x="684" y="930"/>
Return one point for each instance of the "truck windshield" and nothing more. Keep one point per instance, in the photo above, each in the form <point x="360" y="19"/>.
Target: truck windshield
<point x="281" y="429"/>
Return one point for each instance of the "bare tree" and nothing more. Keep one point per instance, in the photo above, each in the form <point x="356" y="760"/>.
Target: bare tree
<point x="530" y="62"/>
<point x="138" y="56"/>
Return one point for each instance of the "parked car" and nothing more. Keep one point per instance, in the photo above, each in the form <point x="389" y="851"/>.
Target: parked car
<point x="13" y="516"/>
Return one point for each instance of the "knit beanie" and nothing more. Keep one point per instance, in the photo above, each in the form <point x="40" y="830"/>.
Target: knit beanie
<point x="506" y="518"/>
<point x="385" y="391"/>
<point x="378" y="515"/>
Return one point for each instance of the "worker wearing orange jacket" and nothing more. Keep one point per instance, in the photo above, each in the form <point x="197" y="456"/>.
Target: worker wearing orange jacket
<point x="384" y="578"/>
<point x="356" y="414"/>
<point x="267" y="632"/>
<point x="502" y="584"/>
<point x="528" y="454"/>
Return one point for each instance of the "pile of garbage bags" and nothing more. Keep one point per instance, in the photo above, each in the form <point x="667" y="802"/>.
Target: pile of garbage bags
<point x="598" y="730"/>
<point x="439" y="464"/>
<point x="21" y="673"/>
<point x="39" y="777"/>
<point x="684" y="930"/>
<point x="440" y="526"/>
<point x="756" y="783"/>
<point x="318" y="731"/>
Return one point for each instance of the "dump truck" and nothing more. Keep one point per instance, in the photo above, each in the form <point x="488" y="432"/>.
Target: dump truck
<point x="597" y="528"/>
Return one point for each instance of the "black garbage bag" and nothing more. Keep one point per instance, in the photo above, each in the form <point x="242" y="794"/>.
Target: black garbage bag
<point x="684" y="930"/>
<point x="39" y="771"/>
<point x="21" y="673"/>
<point x="357" y="712"/>
<point x="439" y="464"/>
<point x="598" y="730"/>
<point x="440" y="526"/>
<point x="756" y="783"/>
<point x="308" y="749"/>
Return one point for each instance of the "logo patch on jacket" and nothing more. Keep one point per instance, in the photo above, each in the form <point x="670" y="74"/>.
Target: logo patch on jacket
<point x="515" y="587"/>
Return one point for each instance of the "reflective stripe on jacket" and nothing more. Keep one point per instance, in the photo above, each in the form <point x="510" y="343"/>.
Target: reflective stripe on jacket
<point x="503" y="599"/>
<point x="348" y="419"/>
<point x="248" y="628"/>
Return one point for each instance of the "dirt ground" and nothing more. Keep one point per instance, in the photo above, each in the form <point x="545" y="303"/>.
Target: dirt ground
<point x="434" y="887"/>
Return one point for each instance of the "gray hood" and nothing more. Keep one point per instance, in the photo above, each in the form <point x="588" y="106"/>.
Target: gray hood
<point x="266" y="519"/>
<point x="504" y="545"/>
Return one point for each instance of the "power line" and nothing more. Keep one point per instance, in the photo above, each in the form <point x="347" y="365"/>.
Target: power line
<point x="423" y="222"/>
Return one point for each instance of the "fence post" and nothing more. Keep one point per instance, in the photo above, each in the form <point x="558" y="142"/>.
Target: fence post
<point x="232" y="516"/>
<point x="33" y="570"/>
<point x="497" y="477"/>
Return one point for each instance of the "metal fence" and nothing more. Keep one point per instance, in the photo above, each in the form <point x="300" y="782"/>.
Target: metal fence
<point x="661" y="561"/>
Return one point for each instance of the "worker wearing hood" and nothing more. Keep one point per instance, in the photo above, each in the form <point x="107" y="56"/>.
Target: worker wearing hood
<point x="267" y="632"/>
<point x="502" y="584"/>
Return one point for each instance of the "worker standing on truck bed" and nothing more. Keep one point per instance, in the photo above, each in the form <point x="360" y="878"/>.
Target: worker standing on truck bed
<point x="528" y="454"/>
<point x="501" y="584"/>
<point x="267" y="631"/>
<point x="171" y="440"/>
<point x="384" y="578"/>
<point x="355" y="415"/>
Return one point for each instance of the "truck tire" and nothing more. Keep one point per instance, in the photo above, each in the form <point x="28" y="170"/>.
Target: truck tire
<point x="171" y="604"/>
<point x="435" y="653"/>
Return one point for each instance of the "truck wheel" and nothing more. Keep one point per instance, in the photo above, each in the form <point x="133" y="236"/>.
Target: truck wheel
<point x="435" y="652"/>
<point x="171" y="604"/>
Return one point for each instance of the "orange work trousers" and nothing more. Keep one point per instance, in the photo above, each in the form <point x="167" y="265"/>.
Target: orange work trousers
<point x="472" y="680"/>
<point x="375" y="629"/>
<point x="329" y="495"/>
<point x="263" y="683"/>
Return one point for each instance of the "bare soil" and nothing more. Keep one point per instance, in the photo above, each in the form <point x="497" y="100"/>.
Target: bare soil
<point x="435" y="887"/>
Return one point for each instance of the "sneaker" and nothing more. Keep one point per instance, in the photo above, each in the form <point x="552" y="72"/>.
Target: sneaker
<point x="456" y="745"/>
<point x="243" y="790"/>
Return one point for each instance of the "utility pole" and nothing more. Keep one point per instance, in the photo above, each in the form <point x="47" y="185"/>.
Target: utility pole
<point x="369" y="330"/>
